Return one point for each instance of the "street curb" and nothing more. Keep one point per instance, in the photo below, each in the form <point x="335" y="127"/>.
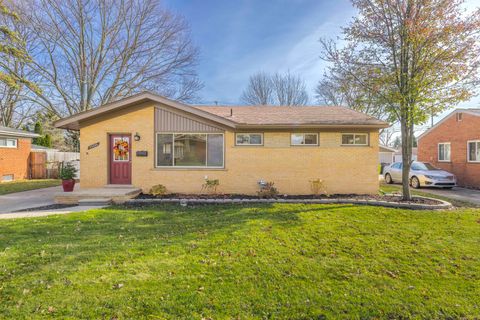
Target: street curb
<point x="183" y="201"/>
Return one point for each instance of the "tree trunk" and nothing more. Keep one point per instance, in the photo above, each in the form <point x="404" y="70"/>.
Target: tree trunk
<point x="407" y="139"/>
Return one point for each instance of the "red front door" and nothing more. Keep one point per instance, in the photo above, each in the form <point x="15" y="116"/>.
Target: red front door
<point x="120" y="159"/>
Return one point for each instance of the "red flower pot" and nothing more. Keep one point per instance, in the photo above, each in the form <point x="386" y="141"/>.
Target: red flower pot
<point x="68" y="185"/>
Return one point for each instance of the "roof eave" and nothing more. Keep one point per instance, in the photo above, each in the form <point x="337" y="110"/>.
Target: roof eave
<point x="19" y="134"/>
<point x="312" y="126"/>
<point x="388" y="148"/>
<point x="73" y="122"/>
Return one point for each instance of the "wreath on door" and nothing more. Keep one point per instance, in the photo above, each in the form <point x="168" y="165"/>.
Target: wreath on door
<point x="120" y="149"/>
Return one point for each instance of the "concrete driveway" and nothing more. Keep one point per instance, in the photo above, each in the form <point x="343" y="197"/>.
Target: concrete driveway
<point x="457" y="193"/>
<point x="28" y="199"/>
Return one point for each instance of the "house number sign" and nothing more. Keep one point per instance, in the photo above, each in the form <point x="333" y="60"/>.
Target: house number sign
<point x="93" y="145"/>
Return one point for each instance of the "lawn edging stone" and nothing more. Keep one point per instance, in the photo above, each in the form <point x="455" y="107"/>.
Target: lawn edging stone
<point x="442" y="204"/>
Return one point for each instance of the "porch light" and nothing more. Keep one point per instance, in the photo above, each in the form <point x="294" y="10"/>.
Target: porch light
<point x="136" y="137"/>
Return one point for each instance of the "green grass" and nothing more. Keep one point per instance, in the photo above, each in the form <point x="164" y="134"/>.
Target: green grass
<point x="25" y="185"/>
<point x="227" y="262"/>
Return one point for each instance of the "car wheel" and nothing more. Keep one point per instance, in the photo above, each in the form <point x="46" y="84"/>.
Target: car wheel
<point x="415" y="183"/>
<point x="388" y="178"/>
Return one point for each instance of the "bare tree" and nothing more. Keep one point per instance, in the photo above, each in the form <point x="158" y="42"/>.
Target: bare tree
<point x="259" y="90"/>
<point x="90" y="52"/>
<point x="290" y="90"/>
<point x="16" y="108"/>
<point x="277" y="89"/>
<point x="14" y="76"/>
<point x="339" y="88"/>
<point x="386" y="136"/>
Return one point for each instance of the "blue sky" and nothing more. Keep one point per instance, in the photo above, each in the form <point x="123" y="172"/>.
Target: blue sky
<point x="239" y="37"/>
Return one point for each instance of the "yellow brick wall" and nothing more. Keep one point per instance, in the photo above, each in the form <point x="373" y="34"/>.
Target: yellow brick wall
<point x="345" y="169"/>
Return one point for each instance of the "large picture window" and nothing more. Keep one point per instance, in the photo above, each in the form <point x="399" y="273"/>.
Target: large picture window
<point x="473" y="151"/>
<point x="444" y="151"/>
<point x="8" y="142"/>
<point x="190" y="150"/>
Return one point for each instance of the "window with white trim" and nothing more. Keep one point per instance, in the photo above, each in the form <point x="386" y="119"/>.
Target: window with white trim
<point x="304" y="139"/>
<point x="249" y="139"/>
<point x="7" y="177"/>
<point x="190" y="150"/>
<point x="473" y="151"/>
<point x="444" y="151"/>
<point x="8" y="142"/>
<point x="355" y="139"/>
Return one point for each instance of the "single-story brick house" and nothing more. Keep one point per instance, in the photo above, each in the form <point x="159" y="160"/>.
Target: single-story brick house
<point x="146" y="139"/>
<point x="453" y="144"/>
<point x="14" y="153"/>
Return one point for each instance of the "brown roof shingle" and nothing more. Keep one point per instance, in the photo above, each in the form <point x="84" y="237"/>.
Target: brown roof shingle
<point x="239" y="117"/>
<point x="304" y="115"/>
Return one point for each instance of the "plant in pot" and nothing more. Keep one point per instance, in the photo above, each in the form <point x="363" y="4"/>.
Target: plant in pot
<point x="67" y="174"/>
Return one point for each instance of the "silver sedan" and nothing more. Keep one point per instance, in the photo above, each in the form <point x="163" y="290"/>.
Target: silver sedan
<point x="422" y="174"/>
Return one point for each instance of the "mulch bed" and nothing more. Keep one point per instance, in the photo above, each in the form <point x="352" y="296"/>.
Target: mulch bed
<point x="388" y="198"/>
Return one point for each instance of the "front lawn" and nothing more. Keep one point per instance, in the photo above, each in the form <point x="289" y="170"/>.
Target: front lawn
<point x="238" y="262"/>
<point x="25" y="185"/>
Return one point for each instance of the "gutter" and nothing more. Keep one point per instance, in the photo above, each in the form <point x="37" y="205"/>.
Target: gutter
<point x="19" y="134"/>
<point x="311" y="126"/>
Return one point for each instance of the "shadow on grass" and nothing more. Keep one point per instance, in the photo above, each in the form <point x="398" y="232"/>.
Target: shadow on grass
<point x="88" y="236"/>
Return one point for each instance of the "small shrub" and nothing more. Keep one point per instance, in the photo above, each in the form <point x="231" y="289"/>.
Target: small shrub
<point x="158" y="190"/>
<point x="317" y="187"/>
<point x="210" y="185"/>
<point x="67" y="171"/>
<point x="267" y="190"/>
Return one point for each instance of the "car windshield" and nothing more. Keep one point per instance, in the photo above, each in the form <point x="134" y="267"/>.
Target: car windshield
<point x="423" y="166"/>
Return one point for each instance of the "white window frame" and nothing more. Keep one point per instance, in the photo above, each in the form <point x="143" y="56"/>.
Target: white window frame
<point x="468" y="150"/>
<point x="10" y="147"/>
<point x="249" y="144"/>
<point x="8" y="175"/>
<point x="355" y="134"/>
<point x="438" y="151"/>
<point x="304" y="144"/>
<point x="189" y="167"/>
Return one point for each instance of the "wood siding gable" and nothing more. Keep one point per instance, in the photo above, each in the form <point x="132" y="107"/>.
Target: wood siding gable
<point x="167" y="121"/>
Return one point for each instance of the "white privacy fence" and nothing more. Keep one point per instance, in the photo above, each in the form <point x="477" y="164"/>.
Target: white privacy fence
<point x="56" y="158"/>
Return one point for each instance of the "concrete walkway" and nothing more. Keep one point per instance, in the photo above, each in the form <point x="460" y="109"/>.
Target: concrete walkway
<point x="43" y="213"/>
<point x="29" y="199"/>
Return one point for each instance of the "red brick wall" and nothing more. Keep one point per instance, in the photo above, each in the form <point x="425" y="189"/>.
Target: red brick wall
<point x="15" y="160"/>
<point x="457" y="133"/>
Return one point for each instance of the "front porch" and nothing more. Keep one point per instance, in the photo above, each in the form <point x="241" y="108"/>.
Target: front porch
<point x="98" y="196"/>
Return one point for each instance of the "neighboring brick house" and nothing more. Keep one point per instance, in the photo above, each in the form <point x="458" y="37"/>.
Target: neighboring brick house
<point x="14" y="153"/>
<point x="453" y="144"/>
